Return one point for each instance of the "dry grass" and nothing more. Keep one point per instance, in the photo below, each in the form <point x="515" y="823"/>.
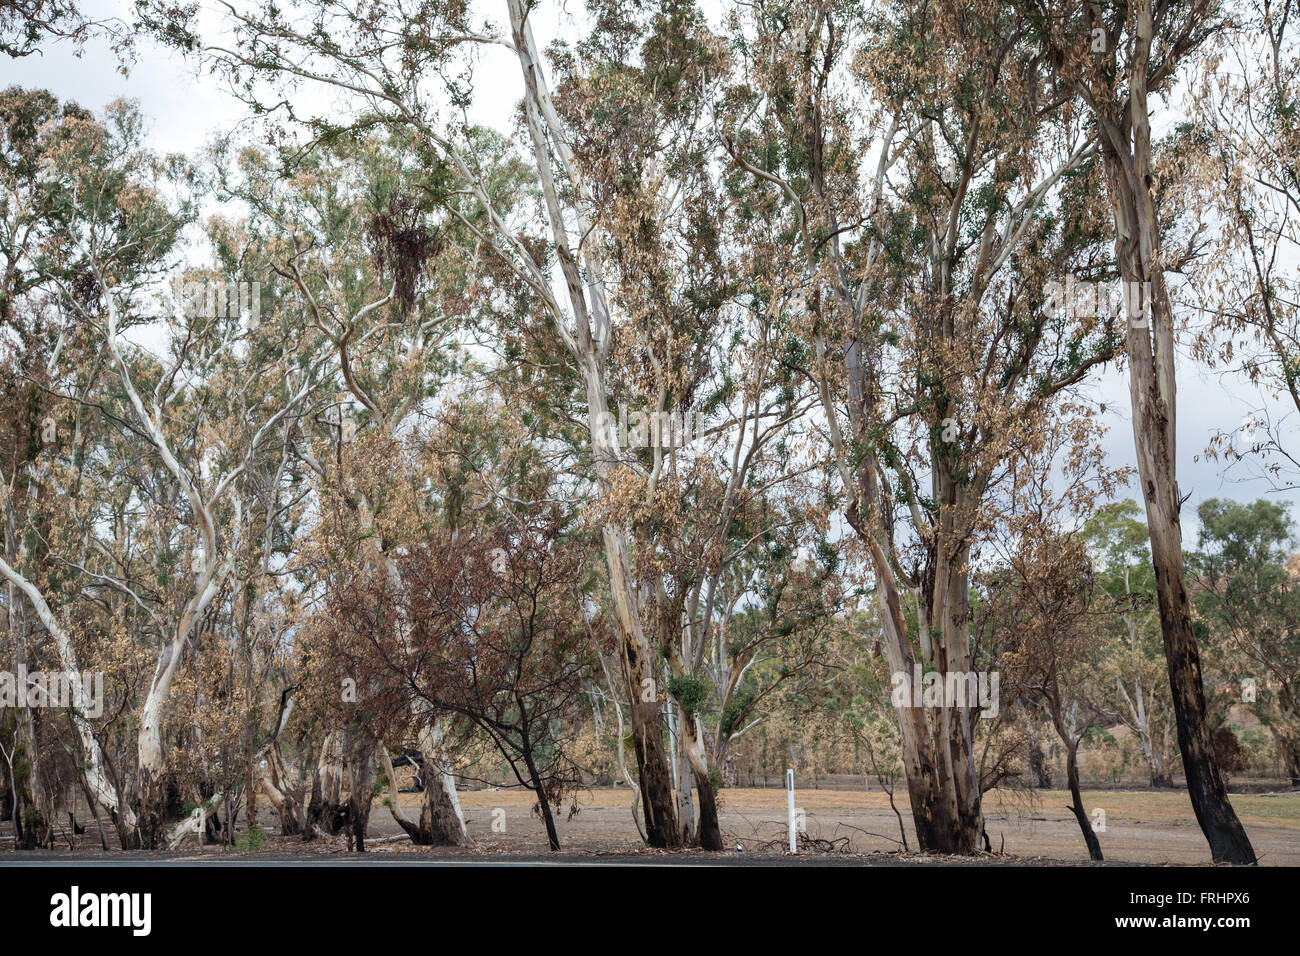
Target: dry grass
<point x="1137" y="806"/>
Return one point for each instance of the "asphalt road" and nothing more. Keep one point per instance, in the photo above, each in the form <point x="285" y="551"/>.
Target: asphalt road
<point x="20" y="860"/>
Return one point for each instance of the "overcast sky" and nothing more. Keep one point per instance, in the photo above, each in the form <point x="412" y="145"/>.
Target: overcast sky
<point x="186" y="108"/>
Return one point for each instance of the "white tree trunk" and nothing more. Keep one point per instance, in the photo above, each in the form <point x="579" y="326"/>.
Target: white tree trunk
<point x="92" y="764"/>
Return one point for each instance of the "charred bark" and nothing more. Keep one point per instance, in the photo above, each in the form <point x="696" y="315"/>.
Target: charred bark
<point x="1150" y="342"/>
<point x="1085" y="824"/>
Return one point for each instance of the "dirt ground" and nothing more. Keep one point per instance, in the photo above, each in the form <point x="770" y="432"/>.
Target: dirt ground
<point x="1141" y="827"/>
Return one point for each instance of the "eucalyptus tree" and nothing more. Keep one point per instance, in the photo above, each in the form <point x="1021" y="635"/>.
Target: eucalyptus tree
<point x="385" y="276"/>
<point x="128" y="207"/>
<point x="1117" y="61"/>
<point x="409" y="69"/>
<point x="656" y="63"/>
<point x="933" y="191"/>
<point x="53" y="157"/>
<point x="30" y="234"/>
<point x="719" y="504"/>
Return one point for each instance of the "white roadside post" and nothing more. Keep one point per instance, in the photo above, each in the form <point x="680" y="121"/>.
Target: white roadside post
<point x="789" y="798"/>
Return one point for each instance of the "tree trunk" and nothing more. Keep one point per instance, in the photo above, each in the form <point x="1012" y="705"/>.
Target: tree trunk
<point x="1161" y="778"/>
<point x="442" y="823"/>
<point x="31" y="829"/>
<point x="647" y="727"/>
<point x="325" y="812"/>
<point x="1038" y="767"/>
<point x="151" y="794"/>
<point x="709" y="830"/>
<point x="94" y="812"/>
<point x="1085" y="825"/>
<point x="543" y="804"/>
<point x="361" y="767"/>
<point x="6" y="794"/>
<point x="932" y="796"/>
<point x="274" y="780"/>
<point x="251" y="758"/>
<point x="151" y="791"/>
<point x="1288" y="749"/>
<point x="1155" y="759"/>
<point x="685" y="801"/>
<point x="589" y="348"/>
<point x="926" y="744"/>
<point x="950" y="608"/>
<point x="93" y="766"/>
<point x="1150" y="347"/>
<point x="652" y="762"/>
<point x="683" y="779"/>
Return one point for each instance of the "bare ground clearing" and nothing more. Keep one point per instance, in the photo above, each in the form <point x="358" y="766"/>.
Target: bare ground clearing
<point x="1142" y="827"/>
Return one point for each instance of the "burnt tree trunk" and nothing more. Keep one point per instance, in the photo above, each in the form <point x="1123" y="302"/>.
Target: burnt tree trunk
<point x="1131" y="182"/>
<point x="1085" y="824"/>
<point x="543" y="804"/>
<point x="652" y="762"/>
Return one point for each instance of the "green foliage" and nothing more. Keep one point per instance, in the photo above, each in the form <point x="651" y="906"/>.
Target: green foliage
<point x="736" y="708"/>
<point x="251" y="841"/>
<point x="691" y="691"/>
